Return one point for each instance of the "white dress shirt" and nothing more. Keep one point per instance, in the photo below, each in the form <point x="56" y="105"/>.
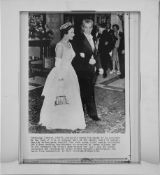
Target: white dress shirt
<point x="90" y="40"/>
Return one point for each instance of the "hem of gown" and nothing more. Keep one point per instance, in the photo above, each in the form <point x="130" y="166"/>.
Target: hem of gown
<point x="47" y="127"/>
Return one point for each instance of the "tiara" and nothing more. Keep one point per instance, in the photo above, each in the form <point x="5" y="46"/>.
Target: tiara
<point x="64" y="26"/>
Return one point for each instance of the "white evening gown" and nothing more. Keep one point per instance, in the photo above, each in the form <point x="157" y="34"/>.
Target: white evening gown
<point x="64" y="116"/>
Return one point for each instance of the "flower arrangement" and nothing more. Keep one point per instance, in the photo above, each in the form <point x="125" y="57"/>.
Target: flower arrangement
<point x="38" y="28"/>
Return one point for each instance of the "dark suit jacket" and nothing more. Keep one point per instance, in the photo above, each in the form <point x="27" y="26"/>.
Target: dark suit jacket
<point x="106" y="36"/>
<point x="81" y="45"/>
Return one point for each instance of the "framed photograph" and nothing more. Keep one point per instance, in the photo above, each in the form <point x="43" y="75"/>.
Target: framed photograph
<point x="82" y="86"/>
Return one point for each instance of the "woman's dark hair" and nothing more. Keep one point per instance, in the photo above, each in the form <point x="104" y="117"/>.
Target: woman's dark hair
<point x="116" y="25"/>
<point x="65" y="30"/>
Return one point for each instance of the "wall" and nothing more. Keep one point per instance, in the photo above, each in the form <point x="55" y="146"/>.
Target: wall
<point x="54" y="22"/>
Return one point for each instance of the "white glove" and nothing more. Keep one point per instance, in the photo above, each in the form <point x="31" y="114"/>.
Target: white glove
<point x="58" y="65"/>
<point x="110" y="53"/>
<point x="57" y="62"/>
<point x="92" y="61"/>
<point x="82" y="55"/>
<point x="101" y="71"/>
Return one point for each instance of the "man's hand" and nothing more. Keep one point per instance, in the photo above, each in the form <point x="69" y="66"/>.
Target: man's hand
<point x="82" y="55"/>
<point x="101" y="71"/>
<point x="106" y="43"/>
<point x="110" y="53"/>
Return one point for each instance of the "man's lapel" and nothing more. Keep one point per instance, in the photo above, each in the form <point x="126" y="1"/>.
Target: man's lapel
<point x="95" y="49"/>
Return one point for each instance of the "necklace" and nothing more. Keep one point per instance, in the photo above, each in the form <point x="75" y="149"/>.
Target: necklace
<point x="67" y="44"/>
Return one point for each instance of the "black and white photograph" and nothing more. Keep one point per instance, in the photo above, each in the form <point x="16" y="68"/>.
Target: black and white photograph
<point x="76" y="73"/>
<point x="80" y="87"/>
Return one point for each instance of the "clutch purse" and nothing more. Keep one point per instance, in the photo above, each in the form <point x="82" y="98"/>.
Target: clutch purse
<point x="61" y="100"/>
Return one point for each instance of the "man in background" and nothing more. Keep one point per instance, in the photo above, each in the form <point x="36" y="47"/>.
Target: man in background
<point x="105" y="46"/>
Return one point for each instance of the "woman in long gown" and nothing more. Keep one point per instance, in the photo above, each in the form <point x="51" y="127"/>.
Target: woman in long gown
<point x="62" y="106"/>
<point x="115" y="57"/>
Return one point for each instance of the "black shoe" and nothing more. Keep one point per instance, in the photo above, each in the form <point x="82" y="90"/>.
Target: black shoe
<point x="104" y="75"/>
<point x="95" y="118"/>
<point x="121" y="76"/>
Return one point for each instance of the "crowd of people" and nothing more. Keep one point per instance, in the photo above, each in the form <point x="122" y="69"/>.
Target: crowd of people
<point x="110" y="47"/>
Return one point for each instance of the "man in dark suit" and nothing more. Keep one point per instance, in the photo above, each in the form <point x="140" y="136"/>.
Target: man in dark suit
<point x="106" y="44"/>
<point x="85" y="64"/>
